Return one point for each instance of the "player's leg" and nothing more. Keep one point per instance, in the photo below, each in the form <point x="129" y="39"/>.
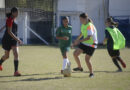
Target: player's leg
<point x="76" y="54"/>
<point x="114" y="54"/>
<point x="120" y="59"/>
<point x="115" y="61"/>
<point x="66" y="61"/>
<point x="89" y="65"/>
<point x="16" y="60"/>
<point x="3" y="58"/>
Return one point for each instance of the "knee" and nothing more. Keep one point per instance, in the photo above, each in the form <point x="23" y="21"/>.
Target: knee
<point x="75" y="54"/>
<point x="5" y="57"/>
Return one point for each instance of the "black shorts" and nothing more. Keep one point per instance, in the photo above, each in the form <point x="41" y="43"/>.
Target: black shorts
<point x="7" y="45"/>
<point x="113" y="53"/>
<point x="86" y="49"/>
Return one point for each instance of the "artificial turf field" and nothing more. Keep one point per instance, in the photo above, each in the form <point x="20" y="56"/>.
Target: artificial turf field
<point x="40" y="67"/>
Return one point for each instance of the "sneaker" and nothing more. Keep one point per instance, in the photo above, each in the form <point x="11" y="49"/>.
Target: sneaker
<point x="1" y="68"/>
<point x="122" y="63"/>
<point x="119" y="70"/>
<point x="91" y="75"/>
<point x="78" y="69"/>
<point x="17" y="73"/>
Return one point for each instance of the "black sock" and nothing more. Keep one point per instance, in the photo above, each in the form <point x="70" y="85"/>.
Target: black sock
<point x="1" y="61"/>
<point x="118" y="58"/>
<point x="116" y="63"/>
<point x="16" y="63"/>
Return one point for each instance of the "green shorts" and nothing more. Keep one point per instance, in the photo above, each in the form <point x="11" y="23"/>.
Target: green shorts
<point x="64" y="50"/>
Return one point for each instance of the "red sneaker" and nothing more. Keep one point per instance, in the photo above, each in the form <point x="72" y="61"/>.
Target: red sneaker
<point x="122" y="63"/>
<point x="1" y="68"/>
<point x="17" y="73"/>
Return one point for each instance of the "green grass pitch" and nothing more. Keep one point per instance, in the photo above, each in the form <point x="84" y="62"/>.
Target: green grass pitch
<point x="40" y="67"/>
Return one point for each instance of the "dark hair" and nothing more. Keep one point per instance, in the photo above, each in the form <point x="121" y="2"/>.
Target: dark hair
<point x="65" y="18"/>
<point x="85" y="16"/>
<point x="14" y="9"/>
<point x="111" y="21"/>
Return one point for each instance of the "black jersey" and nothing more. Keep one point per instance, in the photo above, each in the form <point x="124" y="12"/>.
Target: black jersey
<point x="10" y="23"/>
<point x="7" y="40"/>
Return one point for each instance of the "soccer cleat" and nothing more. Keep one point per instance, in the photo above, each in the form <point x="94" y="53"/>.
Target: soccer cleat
<point x="91" y="75"/>
<point x="78" y="69"/>
<point x="122" y="63"/>
<point x="17" y="73"/>
<point x="1" y="68"/>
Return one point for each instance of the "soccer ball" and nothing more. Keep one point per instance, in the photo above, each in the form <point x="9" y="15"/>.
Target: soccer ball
<point x="67" y="70"/>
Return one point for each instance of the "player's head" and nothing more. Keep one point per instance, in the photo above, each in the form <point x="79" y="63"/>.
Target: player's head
<point x="65" y="21"/>
<point x="110" y="22"/>
<point x="14" y="12"/>
<point x="84" y="18"/>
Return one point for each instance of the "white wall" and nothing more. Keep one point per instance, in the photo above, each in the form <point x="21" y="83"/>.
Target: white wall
<point x="119" y="7"/>
<point x="2" y="3"/>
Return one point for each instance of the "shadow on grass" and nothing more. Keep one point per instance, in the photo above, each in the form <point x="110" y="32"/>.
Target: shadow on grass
<point x="50" y="73"/>
<point x="103" y="72"/>
<point x="34" y="79"/>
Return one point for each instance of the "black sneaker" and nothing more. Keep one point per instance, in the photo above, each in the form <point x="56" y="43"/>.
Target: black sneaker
<point x="120" y="70"/>
<point x="91" y="75"/>
<point x="78" y="69"/>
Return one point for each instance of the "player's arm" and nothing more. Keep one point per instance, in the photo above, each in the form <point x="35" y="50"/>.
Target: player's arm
<point x="85" y="39"/>
<point x="76" y="42"/>
<point x="105" y="41"/>
<point x="58" y="32"/>
<point x="107" y="35"/>
<point x="79" y="37"/>
<point x="2" y="28"/>
<point x="13" y="36"/>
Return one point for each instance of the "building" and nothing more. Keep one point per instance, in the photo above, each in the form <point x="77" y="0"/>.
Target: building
<point x="44" y="16"/>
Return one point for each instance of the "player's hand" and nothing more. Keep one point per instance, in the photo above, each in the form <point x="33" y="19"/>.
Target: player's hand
<point x="66" y="38"/>
<point x="72" y="46"/>
<point x="104" y="43"/>
<point x="76" y="42"/>
<point x="20" y="42"/>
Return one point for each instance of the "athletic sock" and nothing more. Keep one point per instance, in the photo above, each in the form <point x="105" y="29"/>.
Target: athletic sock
<point x="64" y="63"/>
<point x="1" y="61"/>
<point x="16" y="63"/>
<point x="116" y="63"/>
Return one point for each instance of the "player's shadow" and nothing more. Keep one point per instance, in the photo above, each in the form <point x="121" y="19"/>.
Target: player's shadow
<point x="102" y="72"/>
<point x="34" y="79"/>
<point x="25" y="75"/>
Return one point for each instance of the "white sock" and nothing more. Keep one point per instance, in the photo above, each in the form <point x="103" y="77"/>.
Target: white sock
<point x="68" y="60"/>
<point x="65" y="61"/>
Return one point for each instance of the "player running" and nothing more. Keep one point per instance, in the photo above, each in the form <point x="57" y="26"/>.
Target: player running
<point x="63" y="34"/>
<point x="10" y="39"/>
<point x="115" y="41"/>
<point x="86" y="45"/>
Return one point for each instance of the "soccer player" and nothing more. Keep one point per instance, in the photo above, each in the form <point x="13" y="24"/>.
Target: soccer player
<point x="87" y="44"/>
<point x="115" y="41"/>
<point x="63" y="34"/>
<point x="10" y="40"/>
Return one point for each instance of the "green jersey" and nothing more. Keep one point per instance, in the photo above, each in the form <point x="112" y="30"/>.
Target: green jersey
<point x="64" y="32"/>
